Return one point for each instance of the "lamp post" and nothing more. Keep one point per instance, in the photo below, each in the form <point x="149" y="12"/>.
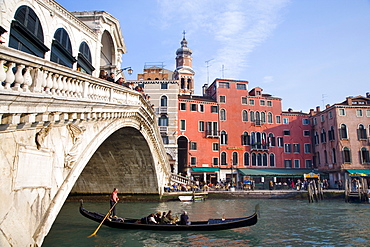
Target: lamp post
<point x="129" y="70"/>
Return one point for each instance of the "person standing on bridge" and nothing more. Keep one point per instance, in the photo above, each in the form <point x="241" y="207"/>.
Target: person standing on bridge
<point x="113" y="200"/>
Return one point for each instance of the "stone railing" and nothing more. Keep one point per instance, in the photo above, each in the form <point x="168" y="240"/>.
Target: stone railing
<point x="175" y="178"/>
<point x="24" y="75"/>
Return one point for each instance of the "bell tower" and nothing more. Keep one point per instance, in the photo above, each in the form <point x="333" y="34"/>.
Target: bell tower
<point x="184" y="72"/>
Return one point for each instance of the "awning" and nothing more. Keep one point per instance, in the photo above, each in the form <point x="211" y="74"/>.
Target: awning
<point x="277" y="172"/>
<point x="366" y="172"/>
<point x="205" y="169"/>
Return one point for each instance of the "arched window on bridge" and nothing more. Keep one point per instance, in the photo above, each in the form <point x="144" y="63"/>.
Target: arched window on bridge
<point x="84" y="59"/>
<point x="61" y="49"/>
<point x="26" y="33"/>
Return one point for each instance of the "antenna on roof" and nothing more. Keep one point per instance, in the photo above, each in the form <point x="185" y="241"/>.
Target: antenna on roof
<point x="207" y="69"/>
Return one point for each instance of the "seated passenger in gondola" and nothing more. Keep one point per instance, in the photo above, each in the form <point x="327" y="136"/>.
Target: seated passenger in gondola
<point x="170" y="218"/>
<point x="184" y="218"/>
<point x="158" y="217"/>
<point x="151" y="219"/>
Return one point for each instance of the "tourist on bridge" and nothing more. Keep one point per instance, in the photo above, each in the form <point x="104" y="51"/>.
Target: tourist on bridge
<point x="113" y="200"/>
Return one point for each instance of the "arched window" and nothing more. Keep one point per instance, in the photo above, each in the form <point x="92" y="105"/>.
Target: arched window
<point x="346" y="155"/>
<point x="258" y="118"/>
<point x="163" y="120"/>
<point x="323" y="136"/>
<point x="164" y="101"/>
<point x="264" y="159"/>
<point x="84" y="63"/>
<point x="343" y="131"/>
<point x="246" y="159"/>
<point x="271" y="140"/>
<point x="235" y="158"/>
<point x="269" y="118"/>
<point x="361" y="132"/>
<point x="326" y="157"/>
<point x="264" y="140"/>
<point x="223" y="159"/>
<point x="245" y="139"/>
<point x="263" y="117"/>
<point x="272" y="159"/>
<point x="259" y="159"/>
<point x="182" y="83"/>
<point x="245" y="116"/>
<point x="254" y="159"/>
<point x="222" y="114"/>
<point x="189" y="84"/>
<point x="252" y="116"/>
<point x="334" y="156"/>
<point x="223" y="137"/>
<point x="253" y="139"/>
<point x="316" y="138"/>
<point x="26" y="32"/>
<point x="259" y="140"/>
<point x="61" y="49"/>
<point x="365" y="158"/>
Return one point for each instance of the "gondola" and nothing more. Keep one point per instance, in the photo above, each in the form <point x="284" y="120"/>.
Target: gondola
<point x="208" y="225"/>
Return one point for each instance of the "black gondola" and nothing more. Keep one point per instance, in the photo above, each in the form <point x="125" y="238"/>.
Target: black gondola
<point x="208" y="225"/>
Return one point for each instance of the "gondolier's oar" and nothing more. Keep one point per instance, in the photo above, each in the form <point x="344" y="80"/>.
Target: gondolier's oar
<point x="101" y="223"/>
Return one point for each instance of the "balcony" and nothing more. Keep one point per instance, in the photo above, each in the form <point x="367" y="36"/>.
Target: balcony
<point x="212" y="134"/>
<point x="259" y="147"/>
<point x="163" y="130"/>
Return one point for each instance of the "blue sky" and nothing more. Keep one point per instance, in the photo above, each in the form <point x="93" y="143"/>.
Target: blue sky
<point x="307" y="52"/>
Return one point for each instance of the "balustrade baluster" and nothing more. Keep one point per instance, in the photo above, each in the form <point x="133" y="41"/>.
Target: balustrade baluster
<point x="18" y="78"/>
<point x="2" y="73"/>
<point x="73" y="87"/>
<point x="27" y="79"/>
<point x="54" y="87"/>
<point x="60" y="85"/>
<point x="9" y="76"/>
<point x="49" y="82"/>
<point x="43" y="77"/>
<point x="67" y="86"/>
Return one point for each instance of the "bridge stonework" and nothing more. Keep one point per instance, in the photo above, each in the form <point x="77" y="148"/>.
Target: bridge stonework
<point x="64" y="131"/>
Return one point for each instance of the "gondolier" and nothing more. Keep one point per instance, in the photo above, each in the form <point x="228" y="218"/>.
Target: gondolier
<point x="113" y="200"/>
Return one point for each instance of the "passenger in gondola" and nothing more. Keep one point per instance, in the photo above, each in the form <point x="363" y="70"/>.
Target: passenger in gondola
<point x="151" y="219"/>
<point x="158" y="217"/>
<point x="170" y="217"/>
<point x="184" y="218"/>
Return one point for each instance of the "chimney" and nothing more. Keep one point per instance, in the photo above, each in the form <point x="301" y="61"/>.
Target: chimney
<point x="204" y="89"/>
<point x="317" y="109"/>
<point x="312" y="112"/>
<point x="327" y="106"/>
<point x="367" y="95"/>
<point x="349" y="100"/>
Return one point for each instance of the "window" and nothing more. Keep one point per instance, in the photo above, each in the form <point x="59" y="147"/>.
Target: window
<point x="269" y="118"/>
<point x="61" y="49"/>
<point x="306" y="121"/>
<point x="342" y="112"/>
<point x="359" y="112"/>
<point x="26" y="33"/>
<point x="365" y="158"/>
<point x="246" y="159"/>
<point x="164" y="85"/>
<point x="331" y="133"/>
<point x="280" y="141"/>
<point x="254" y="159"/>
<point x="223" y="140"/>
<point x="322" y="118"/>
<point x="288" y="163"/>
<point x="193" y="146"/>
<point x="245" y="116"/>
<point x="182" y="124"/>
<point x="214" y="109"/>
<point x="165" y="140"/>
<point x="361" y="132"/>
<point x="212" y="129"/>
<point x="222" y="99"/>
<point x="84" y="59"/>
<point x="343" y="131"/>
<point x="307" y="148"/>
<point x="263" y="117"/>
<point x="316" y="138"/>
<point x="193" y="161"/>
<point x="183" y="106"/>
<point x="252" y="116"/>
<point x="241" y="86"/>
<point x="367" y="113"/>
<point x="193" y="107"/>
<point x="164" y="101"/>
<point x="271" y="140"/>
<point x="334" y="156"/>
<point x="201" y="126"/>
<point x="297" y="163"/>
<point x="201" y="108"/>
<point x="287" y="148"/>
<point x="285" y="120"/>
<point x="215" y="161"/>
<point x="330" y="115"/>
<point x="223" y="115"/>
<point x="296" y="148"/>
<point x="278" y="119"/>
<point x="346" y="155"/>
<point x="244" y="101"/>
<point x="306" y="133"/>
<point x="315" y="121"/>
<point x="259" y="159"/>
<point x="264" y="159"/>
<point x="245" y="139"/>
<point x="223" y="159"/>
<point x="163" y="120"/>
<point x="269" y="103"/>
<point x="308" y="163"/>
<point x="235" y="158"/>
<point x="251" y="101"/>
<point x="262" y="103"/>
<point x="323" y="136"/>
<point x="272" y="159"/>
<point x="223" y="85"/>
<point x="286" y="132"/>
<point x="215" y="146"/>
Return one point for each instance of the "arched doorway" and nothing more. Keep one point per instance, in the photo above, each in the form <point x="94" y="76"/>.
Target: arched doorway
<point x="182" y="152"/>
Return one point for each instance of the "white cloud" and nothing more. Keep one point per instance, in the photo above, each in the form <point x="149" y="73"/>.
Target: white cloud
<point x="268" y="79"/>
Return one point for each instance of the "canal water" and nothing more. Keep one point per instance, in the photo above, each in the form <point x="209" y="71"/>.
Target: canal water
<point x="282" y="222"/>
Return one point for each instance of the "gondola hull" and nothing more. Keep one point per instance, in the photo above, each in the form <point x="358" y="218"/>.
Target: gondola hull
<point x="210" y="225"/>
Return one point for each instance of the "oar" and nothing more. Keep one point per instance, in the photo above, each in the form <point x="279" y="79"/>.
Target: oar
<point x="101" y="223"/>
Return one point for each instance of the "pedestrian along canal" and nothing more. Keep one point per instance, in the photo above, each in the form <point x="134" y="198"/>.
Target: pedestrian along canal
<point x="282" y="222"/>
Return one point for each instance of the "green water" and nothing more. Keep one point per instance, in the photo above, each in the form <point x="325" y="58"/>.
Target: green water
<point x="283" y="222"/>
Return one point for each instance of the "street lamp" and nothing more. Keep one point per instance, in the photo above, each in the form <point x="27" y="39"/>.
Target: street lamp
<point x="129" y="70"/>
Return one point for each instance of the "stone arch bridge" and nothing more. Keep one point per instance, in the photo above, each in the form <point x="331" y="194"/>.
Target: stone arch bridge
<point x="64" y="131"/>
